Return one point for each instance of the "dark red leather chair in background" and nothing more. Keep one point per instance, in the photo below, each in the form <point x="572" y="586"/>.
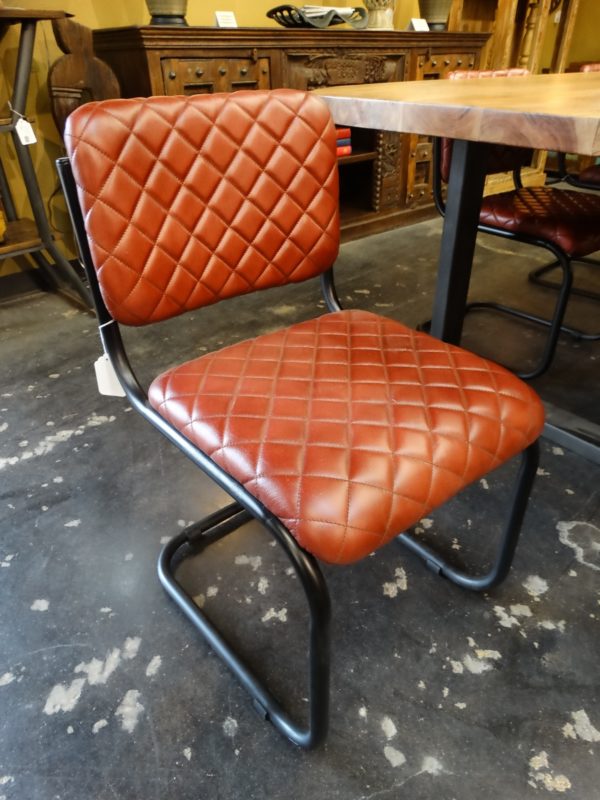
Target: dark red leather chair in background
<point x="564" y="222"/>
<point x="589" y="179"/>
<point x="337" y="434"/>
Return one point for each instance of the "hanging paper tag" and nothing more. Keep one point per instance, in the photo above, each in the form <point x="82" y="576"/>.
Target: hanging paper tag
<point x="106" y="377"/>
<point x="418" y="24"/>
<point x="25" y="131"/>
<point x="225" y="19"/>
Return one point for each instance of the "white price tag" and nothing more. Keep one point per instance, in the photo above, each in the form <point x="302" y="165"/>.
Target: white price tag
<point x="418" y="24"/>
<point x="107" y="380"/>
<point x="25" y="131"/>
<point x="226" y="19"/>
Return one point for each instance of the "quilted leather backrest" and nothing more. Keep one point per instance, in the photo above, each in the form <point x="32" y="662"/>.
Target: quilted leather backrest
<point x="189" y="200"/>
<point x="501" y="158"/>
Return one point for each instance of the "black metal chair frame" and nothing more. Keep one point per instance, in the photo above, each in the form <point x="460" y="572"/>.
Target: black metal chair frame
<point x="573" y="179"/>
<point x="536" y="275"/>
<point x="560" y="261"/>
<point x="245" y="507"/>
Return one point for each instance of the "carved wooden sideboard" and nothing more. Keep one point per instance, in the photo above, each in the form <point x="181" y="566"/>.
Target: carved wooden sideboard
<point x="386" y="181"/>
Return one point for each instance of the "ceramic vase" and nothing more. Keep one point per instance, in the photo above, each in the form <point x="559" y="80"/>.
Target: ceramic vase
<point x="381" y="14"/>
<point x="167" y="12"/>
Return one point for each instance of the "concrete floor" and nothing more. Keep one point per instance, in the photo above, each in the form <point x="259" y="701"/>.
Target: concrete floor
<point x="107" y="692"/>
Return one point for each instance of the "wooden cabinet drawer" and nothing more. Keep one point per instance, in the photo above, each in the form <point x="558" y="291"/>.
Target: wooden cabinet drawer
<point x="419" y="176"/>
<point x="208" y="75"/>
<point x="434" y="66"/>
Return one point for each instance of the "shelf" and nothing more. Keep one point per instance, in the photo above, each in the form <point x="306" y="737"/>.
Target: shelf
<point x="21" y="237"/>
<point x="355" y="158"/>
<point x="12" y="15"/>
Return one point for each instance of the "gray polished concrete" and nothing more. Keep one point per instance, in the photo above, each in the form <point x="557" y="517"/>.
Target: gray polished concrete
<point x="107" y="692"/>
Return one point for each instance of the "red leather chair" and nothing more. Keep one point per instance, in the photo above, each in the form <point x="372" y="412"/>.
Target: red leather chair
<point x="589" y="179"/>
<point x="564" y="222"/>
<point x="339" y="433"/>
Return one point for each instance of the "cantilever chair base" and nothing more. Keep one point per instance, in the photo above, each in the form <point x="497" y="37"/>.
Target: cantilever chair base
<point x="200" y="535"/>
<point x="209" y="530"/>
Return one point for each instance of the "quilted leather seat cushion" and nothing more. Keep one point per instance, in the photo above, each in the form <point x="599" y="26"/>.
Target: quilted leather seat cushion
<point x="189" y="200"/>
<point x="569" y="219"/>
<point x="350" y="427"/>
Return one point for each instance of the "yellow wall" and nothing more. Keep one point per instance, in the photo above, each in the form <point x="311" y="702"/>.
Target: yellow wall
<point x="585" y="45"/>
<point x="94" y="14"/>
<point x="586" y="36"/>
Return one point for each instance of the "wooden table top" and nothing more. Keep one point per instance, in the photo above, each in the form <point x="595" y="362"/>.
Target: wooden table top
<point x="547" y="112"/>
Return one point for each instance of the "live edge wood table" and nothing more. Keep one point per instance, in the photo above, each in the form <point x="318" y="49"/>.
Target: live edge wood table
<point x="547" y="112"/>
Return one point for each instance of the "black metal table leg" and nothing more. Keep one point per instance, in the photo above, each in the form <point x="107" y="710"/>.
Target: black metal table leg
<point x="465" y="192"/>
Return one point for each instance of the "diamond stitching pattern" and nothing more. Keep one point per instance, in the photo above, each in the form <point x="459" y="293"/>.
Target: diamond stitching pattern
<point x="350" y="427"/>
<point x="188" y="200"/>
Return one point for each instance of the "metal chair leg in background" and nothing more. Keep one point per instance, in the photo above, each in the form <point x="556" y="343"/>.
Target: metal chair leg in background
<point x="536" y="276"/>
<point x="508" y="541"/>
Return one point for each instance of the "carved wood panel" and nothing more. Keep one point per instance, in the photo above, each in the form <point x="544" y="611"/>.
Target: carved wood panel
<point x="309" y="70"/>
<point x="388" y="189"/>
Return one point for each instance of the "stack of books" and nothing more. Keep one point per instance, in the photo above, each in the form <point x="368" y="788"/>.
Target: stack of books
<point x="344" y="143"/>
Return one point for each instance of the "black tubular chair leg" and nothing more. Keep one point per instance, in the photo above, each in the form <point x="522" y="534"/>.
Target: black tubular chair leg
<point x="508" y="541"/>
<point x="554" y="324"/>
<point x="574" y="333"/>
<point x="535" y="276"/>
<point x="199" y="536"/>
